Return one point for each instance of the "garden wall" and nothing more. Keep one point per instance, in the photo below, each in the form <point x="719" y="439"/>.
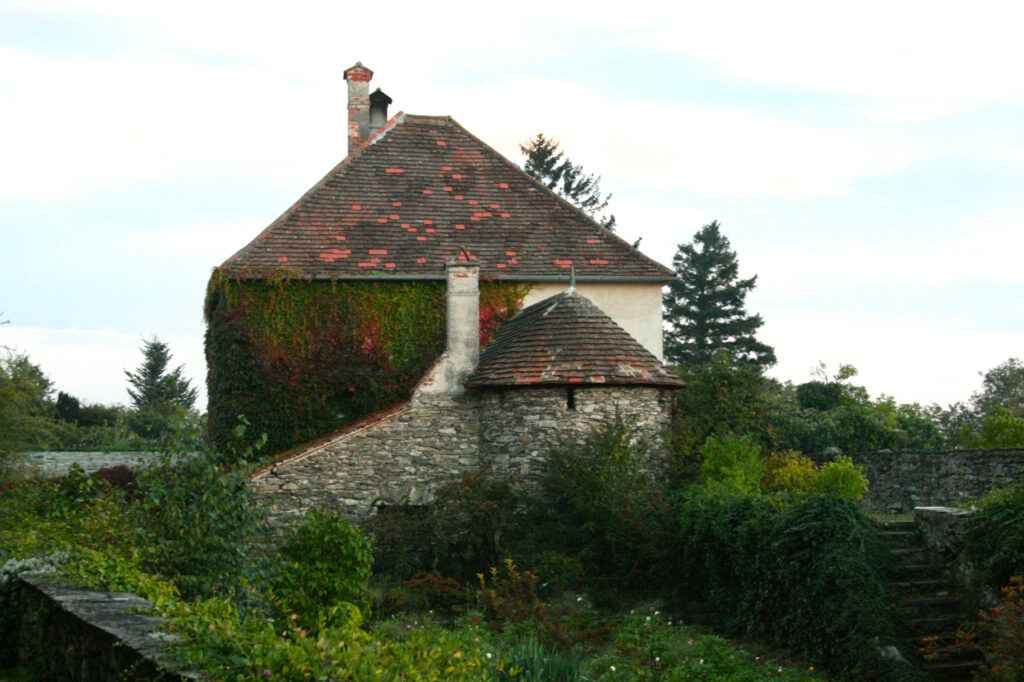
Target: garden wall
<point x="79" y="634"/>
<point x="900" y="481"/>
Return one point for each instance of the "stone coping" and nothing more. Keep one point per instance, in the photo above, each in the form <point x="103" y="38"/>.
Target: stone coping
<point x="114" y="613"/>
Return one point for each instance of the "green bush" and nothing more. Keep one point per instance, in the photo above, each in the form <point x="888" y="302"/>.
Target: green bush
<point x="803" y="572"/>
<point x="840" y="478"/>
<point x="326" y="562"/>
<point x="604" y="509"/>
<point x="732" y="463"/>
<point x="994" y="535"/>
<point x="788" y="471"/>
<point x="468" y="529"/>
<point x="194" y="520"/>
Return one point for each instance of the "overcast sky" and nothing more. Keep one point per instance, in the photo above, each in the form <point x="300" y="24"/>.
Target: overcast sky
<point x="866" y="160"/>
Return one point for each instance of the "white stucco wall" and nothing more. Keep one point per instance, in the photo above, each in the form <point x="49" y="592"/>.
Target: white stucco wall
<point x="634" y="307"/>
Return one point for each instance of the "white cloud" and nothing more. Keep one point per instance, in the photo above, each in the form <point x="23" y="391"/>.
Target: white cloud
<point x="931" y="51"/>
<point x="713" y="150"/>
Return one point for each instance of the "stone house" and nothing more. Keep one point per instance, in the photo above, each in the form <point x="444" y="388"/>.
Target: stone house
<point x="552" y="373"/>
<point x="420" y="199"/>
<point x="414" y="190"/>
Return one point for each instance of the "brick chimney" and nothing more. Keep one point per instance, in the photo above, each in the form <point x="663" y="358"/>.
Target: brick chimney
<point x="358" y="78"/>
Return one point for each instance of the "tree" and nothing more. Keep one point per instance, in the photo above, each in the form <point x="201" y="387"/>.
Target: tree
<point x="25" y="404"/>
<point x="547" y="163"/>
<point x="1002" y="386"/>
<point x="153" y="386"/>
<point x="704" y="306"/>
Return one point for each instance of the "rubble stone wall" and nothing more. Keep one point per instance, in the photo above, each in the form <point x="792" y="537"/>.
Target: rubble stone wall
<point x="403" y="457"/>
<point x="900" y="481"/>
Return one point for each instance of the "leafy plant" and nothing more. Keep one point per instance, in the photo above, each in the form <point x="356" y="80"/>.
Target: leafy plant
<point x="732" y="463"/>
<point x="325" y="563"/>
<point x="841" y="478"/>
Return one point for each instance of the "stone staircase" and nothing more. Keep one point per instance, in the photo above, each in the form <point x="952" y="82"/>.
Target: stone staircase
<point x="923" y="582"/>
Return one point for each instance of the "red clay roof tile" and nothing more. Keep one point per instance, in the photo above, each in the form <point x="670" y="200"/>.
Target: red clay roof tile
<point x="403" y="166"/>
<point x="566" y="339"/>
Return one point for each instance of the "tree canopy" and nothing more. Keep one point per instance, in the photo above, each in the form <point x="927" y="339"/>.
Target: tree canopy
<point x="704" y="306"/>
<point x="543" y="159"/>
<point x="152" y="385"/>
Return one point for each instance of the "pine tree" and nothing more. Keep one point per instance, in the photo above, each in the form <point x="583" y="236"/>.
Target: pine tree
<point x="153" y="386"/>
<point x="547" y="163"/>
<point x="704" y="306"/>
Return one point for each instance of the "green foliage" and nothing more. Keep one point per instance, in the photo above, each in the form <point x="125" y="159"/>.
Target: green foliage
<point x="704" y="306"/>
<point x="648" y="647"/>
<point x="152" y="384"/>
<point x="543" y="160"/>
<point x="605" y="509"/>
<point x="1002" y="386"/>
<point x="194" y="520"/>
<point x="720" y="396"/>
<point x="25" y="408"/>
<point x="299" y="359"/>
<point x="994" y="535"/>
<point x="803" y="572"/>
<point x="841" y="478"/>
<point x="462" y="534"/>
<point x="1001" y="632"/>
<point x="828" y="413"/>
<point x="789" y="471"/>
<point x="510" y="595"/>
<point x="227" y="644"/>
<point x="325" y="563"/>
<point x="731" y="464"/>
<point x="1001" y="429"/>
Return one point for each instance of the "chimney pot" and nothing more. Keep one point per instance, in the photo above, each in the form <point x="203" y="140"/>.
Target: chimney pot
<point x="378" y="109"/>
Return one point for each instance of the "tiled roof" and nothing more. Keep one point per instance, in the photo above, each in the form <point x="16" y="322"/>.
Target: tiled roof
<point x="566" y="339"/>
<point x="421" y="188"/>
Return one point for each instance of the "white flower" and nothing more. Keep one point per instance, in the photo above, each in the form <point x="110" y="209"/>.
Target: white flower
<point x="488" y="656"/>
<point x="613" y="668"/>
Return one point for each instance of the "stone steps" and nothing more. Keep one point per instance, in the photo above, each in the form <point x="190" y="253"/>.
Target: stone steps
<point x="929" y="601"/>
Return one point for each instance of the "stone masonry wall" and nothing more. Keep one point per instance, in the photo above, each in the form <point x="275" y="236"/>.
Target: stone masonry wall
<point x="403" y="456"/>
<point x="397" y="460"/>
<point x="519" y="426"/>
<point x="900" y="481"/>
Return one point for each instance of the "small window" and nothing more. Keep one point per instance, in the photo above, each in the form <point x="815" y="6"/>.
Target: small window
<point x="570" y="399"/>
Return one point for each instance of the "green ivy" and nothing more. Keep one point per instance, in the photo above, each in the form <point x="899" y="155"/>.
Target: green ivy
<point x="299" y="359"/>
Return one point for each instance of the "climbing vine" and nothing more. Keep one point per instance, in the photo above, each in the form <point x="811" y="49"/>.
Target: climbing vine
<point x="299" y="359"/>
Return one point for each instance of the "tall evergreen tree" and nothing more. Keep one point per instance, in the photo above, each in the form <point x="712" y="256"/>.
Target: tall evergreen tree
<point x="704" y="306"/>
<point x="547" y="163"/>
<point x="152" y="385"/>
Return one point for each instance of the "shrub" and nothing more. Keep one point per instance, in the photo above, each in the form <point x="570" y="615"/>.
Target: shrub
<point x="994" y="536"/>
<point x="194" y="521"/>
<point x="1001" y="633"/>
<point x="732" y="463"/>
<point x="606" y="511"/>
<point x="464" y="532"/>
<point x="804" y="572"/>
<point x="788" y="471"/>
<point x="325" y="563"/>
<point x="841" y="478"/>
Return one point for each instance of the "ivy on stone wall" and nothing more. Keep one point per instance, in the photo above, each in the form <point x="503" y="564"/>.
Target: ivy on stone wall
<point x="299" y="359"/>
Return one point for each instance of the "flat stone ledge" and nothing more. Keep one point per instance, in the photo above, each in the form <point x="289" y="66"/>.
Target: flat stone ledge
<point x="112" y="613"/>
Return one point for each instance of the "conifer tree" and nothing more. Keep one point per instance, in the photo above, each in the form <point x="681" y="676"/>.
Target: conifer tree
<point x="704" y="306"/>
<point x="547" y="163"/>
<point x="152" y="385"/>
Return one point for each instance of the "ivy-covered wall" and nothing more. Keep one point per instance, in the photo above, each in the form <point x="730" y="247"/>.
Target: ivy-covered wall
<point x="298" y="359"/>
